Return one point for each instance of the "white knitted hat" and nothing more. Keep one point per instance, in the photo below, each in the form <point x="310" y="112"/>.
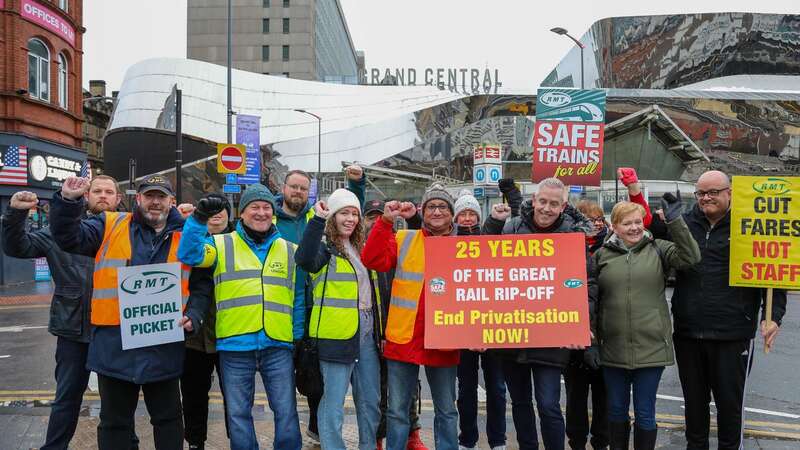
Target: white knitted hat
<point x="466" y="201"/>
<point x="342" y="198"/>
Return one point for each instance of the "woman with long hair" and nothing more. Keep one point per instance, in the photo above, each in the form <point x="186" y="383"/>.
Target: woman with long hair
<point x="344" y="319"/>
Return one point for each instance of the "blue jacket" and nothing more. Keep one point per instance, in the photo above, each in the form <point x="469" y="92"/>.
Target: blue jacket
<point x="192" y="250"/>
<point x="106" y="357"/>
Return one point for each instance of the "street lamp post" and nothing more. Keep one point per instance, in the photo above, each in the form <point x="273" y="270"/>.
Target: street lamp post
<point x="319" y="147"/>
<point x="563" y="32"/>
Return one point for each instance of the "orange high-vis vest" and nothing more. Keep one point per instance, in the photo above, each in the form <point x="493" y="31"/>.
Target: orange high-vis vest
<point x="407" y="286"/>
<point x="114" y="252"/>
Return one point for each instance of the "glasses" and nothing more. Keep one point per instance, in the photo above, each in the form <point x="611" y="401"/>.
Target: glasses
<point x="297" y="187"/>
<point x="600" y="219"/>
<point x="711" y="193"/>
<point x="432" y="208"/>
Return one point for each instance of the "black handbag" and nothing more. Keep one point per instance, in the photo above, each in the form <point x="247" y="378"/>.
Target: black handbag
<point x="308" y="376"/>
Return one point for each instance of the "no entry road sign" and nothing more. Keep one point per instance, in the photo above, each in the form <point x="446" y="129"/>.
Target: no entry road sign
<point x="231" y="158"/>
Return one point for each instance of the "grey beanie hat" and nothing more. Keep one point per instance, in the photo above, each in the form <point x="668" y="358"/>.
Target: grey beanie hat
<point x="256" y="192"/>
<point x="436" y="191"/>
<point x="466" y="201"/>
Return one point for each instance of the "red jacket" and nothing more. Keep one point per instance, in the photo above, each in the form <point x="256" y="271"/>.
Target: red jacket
<point x="639" y="198"/>
<point x="380" y="254"/>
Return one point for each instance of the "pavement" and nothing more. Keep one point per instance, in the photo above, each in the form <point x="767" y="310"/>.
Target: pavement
<point x="27" y="387"/>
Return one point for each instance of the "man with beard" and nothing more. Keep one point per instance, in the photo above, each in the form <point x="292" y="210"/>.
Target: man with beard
<point x="148" y="236"/>
<point x="69" y="309"/>
<point x="292" y="213"/>
<point x="715" y="323"/>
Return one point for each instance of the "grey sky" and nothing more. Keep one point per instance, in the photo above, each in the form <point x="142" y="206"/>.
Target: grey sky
<point x="510" y="35"/>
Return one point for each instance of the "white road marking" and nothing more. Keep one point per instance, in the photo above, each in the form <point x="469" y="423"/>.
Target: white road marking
<point x="19" y="328"/>
<point x="753" y="410"/>
<point x="5" y="356"/>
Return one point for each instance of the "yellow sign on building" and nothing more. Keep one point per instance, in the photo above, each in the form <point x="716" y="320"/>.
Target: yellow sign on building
<point x="765" y="232"/>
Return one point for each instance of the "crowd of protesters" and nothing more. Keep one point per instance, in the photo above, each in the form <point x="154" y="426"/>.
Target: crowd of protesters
<point x="326" y="297"/>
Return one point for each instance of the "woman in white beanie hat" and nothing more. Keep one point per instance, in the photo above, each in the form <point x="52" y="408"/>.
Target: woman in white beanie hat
<point x="467" y="218"/>
<point x="344" y="318"/>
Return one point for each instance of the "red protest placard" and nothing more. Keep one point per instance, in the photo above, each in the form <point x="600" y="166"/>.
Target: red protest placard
<point x="520" y="291"/>
<point x="569" y="151"/>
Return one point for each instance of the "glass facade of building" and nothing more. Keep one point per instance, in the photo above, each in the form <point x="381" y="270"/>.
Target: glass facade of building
<point x="335" y="58"/>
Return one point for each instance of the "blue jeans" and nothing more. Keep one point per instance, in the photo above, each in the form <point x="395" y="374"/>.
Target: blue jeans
<point x="72" y="377"/>
<point x="645" y="385"/>
<point x="402" y="384"/>
<point x="238" y="378"/>
<point x="547" y="389"/>
<point x="365" y="377"/>
<point x="468" y="399"/>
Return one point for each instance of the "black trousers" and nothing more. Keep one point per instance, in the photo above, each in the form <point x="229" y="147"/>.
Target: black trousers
<point x="578" y="379"/>
<point x="118" y="400"/>
<point x="198" y="368"/>
<point x="720" y="368"/>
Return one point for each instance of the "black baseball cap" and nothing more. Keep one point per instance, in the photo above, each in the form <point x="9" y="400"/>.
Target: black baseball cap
<point x="156" y="183"/>
<point x="373" y="206"/>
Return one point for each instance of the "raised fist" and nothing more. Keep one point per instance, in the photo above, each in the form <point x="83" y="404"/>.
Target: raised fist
<point x="391" y="211"/>
<point x="501" y="211"/>
<point x="627" y="175"/>
<point x="321" y="209"/>
<point x="506" y="185"/>
<point x="207" y="207"/>
<point x="23" y="200"/>
<point x="74" y="187"/>
<point x="354" y="172"/>
<point x="186" y="209"/>
<point x="407" y="210"/>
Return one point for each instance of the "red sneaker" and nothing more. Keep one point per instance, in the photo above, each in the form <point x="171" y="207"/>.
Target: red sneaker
<point x="379" y="445"/>
<point x="415" y="441"/>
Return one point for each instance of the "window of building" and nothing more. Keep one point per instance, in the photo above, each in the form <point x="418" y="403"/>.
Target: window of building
<point x="38" y="70"/>
<point x="62" y="81"/>
<point x="266" y="3"/>
<point x="285" y="3"/>
<point x="64" y="5"/>
<point x="285" y="26"/>
<point x="265" y="26"/>
<point x="265" y="52"/>
<point x="285" y="52"/>
<point x="286" y="74"/>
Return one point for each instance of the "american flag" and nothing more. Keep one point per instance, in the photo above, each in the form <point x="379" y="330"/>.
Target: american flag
<point x="15" y="166"/>
<point x="86" y="170"/>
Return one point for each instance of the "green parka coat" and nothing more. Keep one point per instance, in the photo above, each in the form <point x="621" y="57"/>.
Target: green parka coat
<point x="633" y="323"/>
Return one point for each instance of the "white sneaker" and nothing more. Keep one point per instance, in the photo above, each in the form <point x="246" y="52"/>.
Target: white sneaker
<point x="499" y="447"/>
<point x="461" y="447"/>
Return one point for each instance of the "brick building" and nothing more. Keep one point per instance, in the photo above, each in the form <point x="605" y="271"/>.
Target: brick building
<point x="41" y="103"/>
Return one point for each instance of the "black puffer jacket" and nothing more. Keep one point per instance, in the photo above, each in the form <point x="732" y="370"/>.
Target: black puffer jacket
<point x="570" y="221"/>
<point x="72" y="275"/>
<point x="704" y="305"/>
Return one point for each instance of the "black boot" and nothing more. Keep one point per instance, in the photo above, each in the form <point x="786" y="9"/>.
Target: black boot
<point x="644" y="439"/>
<point x="619" y="435"/>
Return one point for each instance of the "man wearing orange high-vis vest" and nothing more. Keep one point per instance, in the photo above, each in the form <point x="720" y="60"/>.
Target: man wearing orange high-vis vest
<point x="405" y="351"/>
<point x="149" y="235"/>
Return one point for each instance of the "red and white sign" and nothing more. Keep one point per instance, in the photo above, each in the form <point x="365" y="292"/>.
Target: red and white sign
<point x="231" y="158"/>
<point x="48" y="19"/>
<point x="570" y="151"/>
<point x="487" y="154"/>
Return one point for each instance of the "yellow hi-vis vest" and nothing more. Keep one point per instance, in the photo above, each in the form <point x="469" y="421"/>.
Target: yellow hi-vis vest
<point x="309" y="215"/>
<point x="335" y="311"/>
<point x="407" y="286"/>
<point x="115" y="251"/>
<point x="251" y="296"/>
